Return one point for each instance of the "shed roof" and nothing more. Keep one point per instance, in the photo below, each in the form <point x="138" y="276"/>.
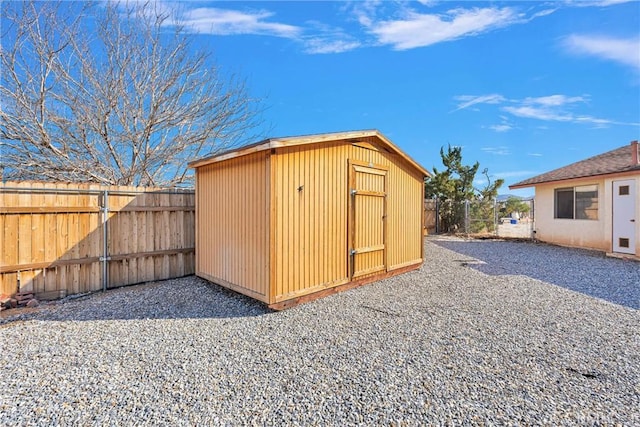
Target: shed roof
<point x="615" y="161"/>
<point x="290" y="141"/>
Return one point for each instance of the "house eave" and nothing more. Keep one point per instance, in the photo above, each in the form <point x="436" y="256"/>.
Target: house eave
<point x="632" y="172"/>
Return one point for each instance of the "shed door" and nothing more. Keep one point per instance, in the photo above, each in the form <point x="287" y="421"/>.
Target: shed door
<point x="624" y="220"/>
<point x="367" y="218"/>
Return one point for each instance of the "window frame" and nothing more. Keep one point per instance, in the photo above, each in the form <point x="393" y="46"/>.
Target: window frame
<point x="579" y="209"/>
<point x="559" y="210"/>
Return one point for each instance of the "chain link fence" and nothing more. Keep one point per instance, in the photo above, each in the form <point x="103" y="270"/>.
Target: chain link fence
<point x="481" y="218"/>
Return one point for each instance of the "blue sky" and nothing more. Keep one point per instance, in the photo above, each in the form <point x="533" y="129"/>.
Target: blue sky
<point x="523" y="87"/>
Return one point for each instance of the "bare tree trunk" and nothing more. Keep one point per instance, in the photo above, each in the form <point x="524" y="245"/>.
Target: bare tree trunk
<point x="112" y="93"/>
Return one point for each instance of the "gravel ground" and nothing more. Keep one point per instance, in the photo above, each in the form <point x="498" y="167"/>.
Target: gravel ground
<point x="589" y="272"/>
<point x="446" y="344"/>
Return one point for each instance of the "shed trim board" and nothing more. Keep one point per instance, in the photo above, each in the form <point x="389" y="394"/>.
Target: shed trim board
<point x="273" y="222"/>
<point x="234" y="287"/>
<point x="281" y="305"/>
<point x="312" y="290"/>
<point x="278" y="221"/>
<point x="292" y="141"/>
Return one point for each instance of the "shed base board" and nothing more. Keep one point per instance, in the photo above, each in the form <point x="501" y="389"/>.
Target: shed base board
<point x="308" y="291"/>
<point x="235" y="288"/>
<point x="341" y="288"/>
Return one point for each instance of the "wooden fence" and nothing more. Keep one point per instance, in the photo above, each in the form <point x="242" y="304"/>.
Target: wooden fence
<point x="430" y="215"/>
<point x="60" y="239"/>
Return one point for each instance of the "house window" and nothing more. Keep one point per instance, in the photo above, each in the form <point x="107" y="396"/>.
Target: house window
<point x="564" y="203"/>
<point x="577" y="202"/>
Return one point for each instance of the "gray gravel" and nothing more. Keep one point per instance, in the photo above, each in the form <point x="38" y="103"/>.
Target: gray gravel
<point x="447" y="344"/>
<point x="589" y="272"/>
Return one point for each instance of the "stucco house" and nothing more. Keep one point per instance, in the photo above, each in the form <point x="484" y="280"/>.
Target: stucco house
<point x="593" y="203"/>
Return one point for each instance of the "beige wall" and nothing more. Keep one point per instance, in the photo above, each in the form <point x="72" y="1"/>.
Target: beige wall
<point x="590" y="234"/>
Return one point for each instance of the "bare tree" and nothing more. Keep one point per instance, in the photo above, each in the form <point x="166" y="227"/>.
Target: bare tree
<point x="111" y="93"/>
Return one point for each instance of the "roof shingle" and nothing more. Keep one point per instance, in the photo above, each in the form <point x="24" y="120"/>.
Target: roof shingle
<point x="614" y="161"/>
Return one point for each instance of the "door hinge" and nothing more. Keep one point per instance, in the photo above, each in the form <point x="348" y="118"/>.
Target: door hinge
<point x="353" y="252"/>
<point x="353" y="192"/>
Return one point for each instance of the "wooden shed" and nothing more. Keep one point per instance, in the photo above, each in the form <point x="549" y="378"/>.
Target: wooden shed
<point x="291" y="219"/>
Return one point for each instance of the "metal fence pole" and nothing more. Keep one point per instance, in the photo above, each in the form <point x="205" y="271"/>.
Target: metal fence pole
<point x="495" y="217"/>
<point x="533" y="219"/>
<point x="466" y="217"/>
<point x="437" y="215"/>
<point x="105" y="243"/>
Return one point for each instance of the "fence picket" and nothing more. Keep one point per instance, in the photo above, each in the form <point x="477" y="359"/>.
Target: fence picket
<point x="52" y="236"/>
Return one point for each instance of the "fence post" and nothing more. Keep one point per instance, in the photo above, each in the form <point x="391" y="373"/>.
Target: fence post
<point x="105" y="243"/>
<point x="437" y="215"/>
<point x="466" y="217"/>
<point x="533" y="219"/>
<point x="495" y="217"/>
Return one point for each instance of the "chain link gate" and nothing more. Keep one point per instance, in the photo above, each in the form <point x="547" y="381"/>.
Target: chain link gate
<point x="479" y="218"/>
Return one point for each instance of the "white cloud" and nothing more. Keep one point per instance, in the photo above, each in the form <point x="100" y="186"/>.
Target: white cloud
<point x="534" y="154"/>
<point x="553" y="108"/>
<point x="410" y="30"/>
<point x="540" y="113"/>
<point x="559" y="115"/>
<point x="542" y="13"/>
<point x="209" y="20"/>
<point x="504" y="126"/>
<point x="225" y="22"/>
<point x="327" y="45"/>
<point x="596" y="3"/>
<point x="365" y="11"/>
<point x="469" y="100"/>
<point x="624" y="51"/>
<point x="554" y="100"/>
<point x="501" y="128"/>
<point x="613" y="2"/>
<point x="498" y="151"/>
<point x="327" y="39"/>
<point x="419" y="30"/>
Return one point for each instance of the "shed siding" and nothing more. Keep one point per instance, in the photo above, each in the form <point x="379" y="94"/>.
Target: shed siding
<point x="404" y="206"/>
<point x="404" y="211"/>
<point x="233" y="224"/>
<point x="311" y="196"/>
<point x="311" y="223"/>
